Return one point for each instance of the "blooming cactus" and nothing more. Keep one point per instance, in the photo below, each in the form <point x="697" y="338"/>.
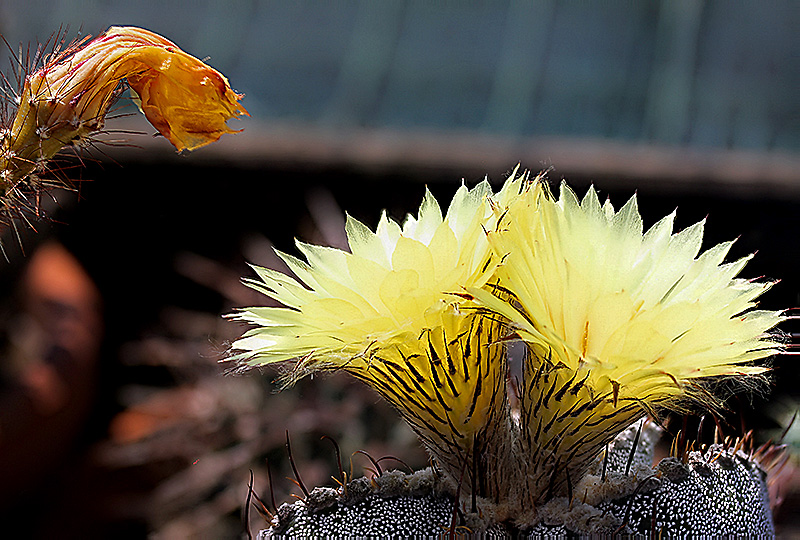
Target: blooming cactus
<point x="617" y="323"/>
<point x="387" y="314"/>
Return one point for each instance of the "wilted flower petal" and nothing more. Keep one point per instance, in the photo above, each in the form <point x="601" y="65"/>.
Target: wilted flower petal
<point x="68" y="98"/>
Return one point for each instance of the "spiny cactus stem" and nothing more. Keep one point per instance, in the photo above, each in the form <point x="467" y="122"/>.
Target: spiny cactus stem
<point x="247" y="506"/>
<point x="633" y="450"/>
<point x="298" y="480"/>
<point x="378" y="471"/>
<point x="452" y="530"/>
<point x="629" y="506"/>
<point x="338" y="457"/>
<point x="33" y="139"/>
<point x="271" y="490"/>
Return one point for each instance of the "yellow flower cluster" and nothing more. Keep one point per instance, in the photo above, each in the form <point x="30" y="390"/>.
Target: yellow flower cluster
<point x="616" y="321"/>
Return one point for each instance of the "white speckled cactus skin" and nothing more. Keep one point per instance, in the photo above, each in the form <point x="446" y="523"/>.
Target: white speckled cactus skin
<point x="719" y="492"/>
<point x="716" y="492"/>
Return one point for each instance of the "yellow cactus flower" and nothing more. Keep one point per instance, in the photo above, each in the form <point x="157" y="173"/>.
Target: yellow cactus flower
<point x="617" y="322"/>
<point x="390" y="313"/>
<point x="394" y="284"/>
<point x="67" y="99"/>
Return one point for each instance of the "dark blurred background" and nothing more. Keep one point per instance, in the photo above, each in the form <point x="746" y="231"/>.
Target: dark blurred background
<point x="133" y="431"/>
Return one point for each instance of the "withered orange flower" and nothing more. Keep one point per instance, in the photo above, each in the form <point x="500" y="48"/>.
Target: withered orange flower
<point x="185" y="99"/>
<point x="66" y="100"/>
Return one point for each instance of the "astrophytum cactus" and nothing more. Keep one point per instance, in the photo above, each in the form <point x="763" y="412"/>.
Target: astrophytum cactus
<point x="617" y="323"/>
